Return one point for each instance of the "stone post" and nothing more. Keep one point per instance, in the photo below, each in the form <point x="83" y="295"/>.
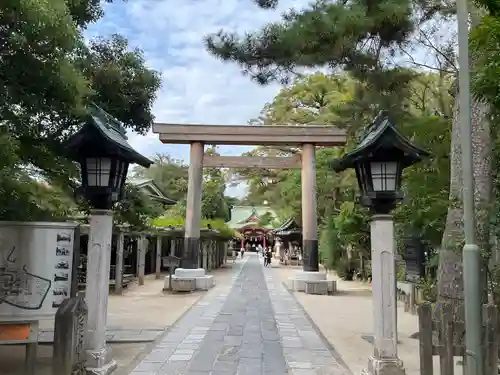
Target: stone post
<point x="98" y="355"/>
<point x="158" y="256"/>
<point x="119" y="263"/>
<point x="68" y="357"/>
<point x="309" y="218"/>
<point x="385" y="359"/>
<point x="193" y="207"/>
<point x="142" y="247"/>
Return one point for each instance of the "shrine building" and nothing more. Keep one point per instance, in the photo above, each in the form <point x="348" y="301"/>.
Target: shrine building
<point x="254" y="225"/>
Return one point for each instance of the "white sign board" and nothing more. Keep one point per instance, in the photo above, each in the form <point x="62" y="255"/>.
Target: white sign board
<point x="35" y="268"/>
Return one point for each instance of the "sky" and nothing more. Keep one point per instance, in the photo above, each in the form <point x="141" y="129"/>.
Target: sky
<point x="196" y="87"/>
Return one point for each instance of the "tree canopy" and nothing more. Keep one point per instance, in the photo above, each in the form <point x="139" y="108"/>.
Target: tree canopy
<point x="50" y="75"/>
<point x="327" y="99"/>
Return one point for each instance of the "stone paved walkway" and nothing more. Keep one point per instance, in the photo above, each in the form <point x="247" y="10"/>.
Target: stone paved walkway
<point x="254" y="327"/>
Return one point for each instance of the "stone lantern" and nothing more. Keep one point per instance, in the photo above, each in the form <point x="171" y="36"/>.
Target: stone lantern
<point x="101" y="148"/>
<point x="379" y="161"/>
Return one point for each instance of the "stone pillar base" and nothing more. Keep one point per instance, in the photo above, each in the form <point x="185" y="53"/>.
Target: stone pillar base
<point x="384" y="366"/>
<point x="297" y="283"/>
<point x="203" y="281"/>
<point x="100" y="362"/>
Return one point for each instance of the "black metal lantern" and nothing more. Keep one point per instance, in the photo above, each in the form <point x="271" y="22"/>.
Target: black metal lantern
<point x="104" y="155"/>
<point x="379" y="161"/>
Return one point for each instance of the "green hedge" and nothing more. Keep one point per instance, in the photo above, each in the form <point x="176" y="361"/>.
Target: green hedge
<point x="179" y="222"/>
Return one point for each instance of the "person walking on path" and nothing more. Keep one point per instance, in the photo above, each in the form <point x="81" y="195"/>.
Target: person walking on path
<point x="269" y="255"/>
<point x="242" y="252"/>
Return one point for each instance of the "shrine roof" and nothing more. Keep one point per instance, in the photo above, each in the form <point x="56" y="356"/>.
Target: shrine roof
<point x="245" y="216"/>
<point x="150" y="188"/>
<point x="288" y="227"/>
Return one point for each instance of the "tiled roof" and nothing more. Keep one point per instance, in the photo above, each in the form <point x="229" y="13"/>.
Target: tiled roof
<point x="240" y="214"/>
<point x="157" y="194"/>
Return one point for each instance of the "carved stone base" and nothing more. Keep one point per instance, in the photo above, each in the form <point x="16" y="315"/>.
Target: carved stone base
<point x="183" y="284"/>
<point x="298" y="284"/>
<point x="100" y="362"/>
<point x="316" y="287"/>
<point x="384" y="366"/>
<point x="203" y="281"/>
<point x="105" y="370"/>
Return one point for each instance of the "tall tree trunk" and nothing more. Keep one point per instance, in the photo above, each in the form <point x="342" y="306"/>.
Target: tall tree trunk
<point x="450" y="277"/>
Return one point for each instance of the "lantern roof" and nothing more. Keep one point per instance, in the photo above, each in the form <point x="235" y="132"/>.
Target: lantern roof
<point x="102" y="131"/>
<point x="381" y="135"/>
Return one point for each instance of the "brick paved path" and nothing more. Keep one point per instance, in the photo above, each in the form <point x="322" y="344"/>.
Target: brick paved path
<point x="254" y="327"/>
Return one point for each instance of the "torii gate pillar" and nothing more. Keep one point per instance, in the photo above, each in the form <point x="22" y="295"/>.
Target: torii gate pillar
<point x="309" y="216"/>
<point x="190" y="255"/>
<point x="190" y="268"/>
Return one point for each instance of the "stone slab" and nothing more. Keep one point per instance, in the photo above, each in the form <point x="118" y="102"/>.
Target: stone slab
<point x="205" y="282"/>
<point x="183" y="284"/>
<point x="316" y="287"/>
<point x="297" y="283"/>
<point x="190" y="273"/>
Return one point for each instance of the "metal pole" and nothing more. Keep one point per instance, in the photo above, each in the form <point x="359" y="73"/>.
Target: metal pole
<point x="471" y="255"/>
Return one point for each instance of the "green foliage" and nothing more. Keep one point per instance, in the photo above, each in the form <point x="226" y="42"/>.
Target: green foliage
<point x="351" y="35"/>
<point x="165" y="222"/>
<point x="220" y="226"/>
<point x="400" y="272"/>
<point x="426" y="184"/>
<point x="178" y="210"/>
<point x="109" y="64"/>
<point x="169" y="174"/>
<point x="484" y="40"/>
<point x="213" y="204"/>
<point x="136" y="209"/>
<point x="330" y="246"/>
<point x="39" y="201"/>
<point x="49" y="75"/>
<point x="352" y="223"/>
<point x="179" y="222"/>
<point x="268" y="219"/>
<point x="345" y="268"/>
<point x="315" y="99"/>
<point x="359" y="38"/>
<point x="327" y="99"/>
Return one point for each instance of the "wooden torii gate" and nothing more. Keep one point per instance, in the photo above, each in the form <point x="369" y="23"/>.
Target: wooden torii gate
<point x="306" y="137"/>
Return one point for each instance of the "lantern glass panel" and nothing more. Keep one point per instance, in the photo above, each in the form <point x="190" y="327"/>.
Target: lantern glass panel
<point x="98" y="171"/>
<point x="120" y="171"/>
<point x="363" y="177"/>
<point x="384" y="175"/>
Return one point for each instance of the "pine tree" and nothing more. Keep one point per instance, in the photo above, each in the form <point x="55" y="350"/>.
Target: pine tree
<point x="360" y="37"/>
